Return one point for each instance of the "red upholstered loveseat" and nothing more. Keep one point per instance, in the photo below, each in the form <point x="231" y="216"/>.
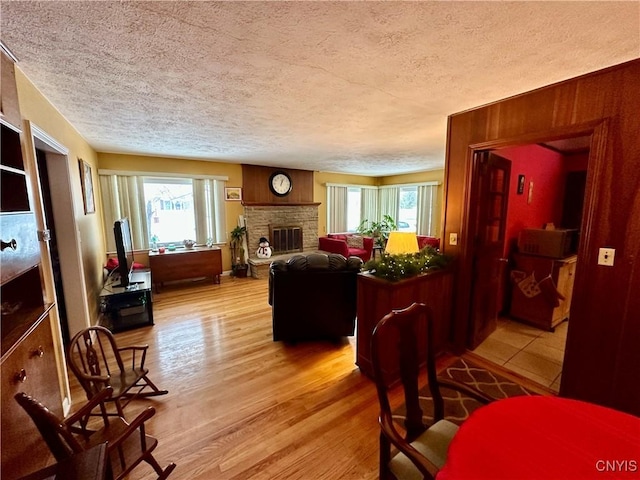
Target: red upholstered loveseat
<point x="345" y="244"/>
<point x="423" y="241"/>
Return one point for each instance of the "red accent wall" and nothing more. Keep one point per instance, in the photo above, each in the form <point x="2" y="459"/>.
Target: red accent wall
<point x="546" y="169"/>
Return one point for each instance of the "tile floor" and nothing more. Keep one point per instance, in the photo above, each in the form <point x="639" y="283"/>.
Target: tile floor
<point x="529" y="351"/>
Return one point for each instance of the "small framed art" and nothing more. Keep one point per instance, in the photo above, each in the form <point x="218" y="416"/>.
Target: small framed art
<point x="233" y="194"/>
<point x="86" y="180"/>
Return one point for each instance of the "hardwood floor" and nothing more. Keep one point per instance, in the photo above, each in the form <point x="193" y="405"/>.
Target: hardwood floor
<point x="241" y="406"/>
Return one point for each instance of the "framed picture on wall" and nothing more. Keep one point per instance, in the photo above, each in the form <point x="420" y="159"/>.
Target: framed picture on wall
<point x="520" y="184"/>
<point x="86" y="180"/>
<point x="233" y="194"/>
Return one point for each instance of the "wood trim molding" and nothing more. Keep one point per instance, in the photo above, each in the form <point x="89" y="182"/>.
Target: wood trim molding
<point x="272" y="204"/>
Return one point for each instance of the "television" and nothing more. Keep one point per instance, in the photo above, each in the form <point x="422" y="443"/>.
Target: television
<point x="124" y="250"/>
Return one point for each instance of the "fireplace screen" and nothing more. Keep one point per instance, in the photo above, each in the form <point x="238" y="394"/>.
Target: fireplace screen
<point x="286" y="239"/>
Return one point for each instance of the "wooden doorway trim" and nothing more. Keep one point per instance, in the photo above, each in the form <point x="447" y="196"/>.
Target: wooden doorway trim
<point x="598" y="130"/>
<point x="76" y="300"/>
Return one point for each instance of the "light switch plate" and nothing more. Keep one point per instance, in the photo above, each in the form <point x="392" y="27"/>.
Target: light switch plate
<point x="606" y="256"/>
<point x="453" y="239"/>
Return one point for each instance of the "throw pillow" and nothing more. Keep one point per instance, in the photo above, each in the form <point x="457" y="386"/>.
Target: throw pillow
<point x="355" y="241"/>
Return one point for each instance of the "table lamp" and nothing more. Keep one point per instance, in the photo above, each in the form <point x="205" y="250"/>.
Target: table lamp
<point x="402" y="242"/>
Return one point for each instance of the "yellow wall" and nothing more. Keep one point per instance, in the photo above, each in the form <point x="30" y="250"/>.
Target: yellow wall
<point x="427" y="176"/>
<point x="39" y="111"/>
<point x="113" y="161"/>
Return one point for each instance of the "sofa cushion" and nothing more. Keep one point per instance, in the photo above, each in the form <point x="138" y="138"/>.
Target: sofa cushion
<point x="355" y="241"/>
<point x="424" y="241"/>
<point x="317" y="261"/>
<point x="338" y="236"/>
<point x="358" y="252"/>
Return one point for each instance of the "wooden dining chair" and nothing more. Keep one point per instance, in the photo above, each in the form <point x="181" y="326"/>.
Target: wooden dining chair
<point x="127" y="443"/>
<point x="421" y="449"/>
<point x="97" y="362"/>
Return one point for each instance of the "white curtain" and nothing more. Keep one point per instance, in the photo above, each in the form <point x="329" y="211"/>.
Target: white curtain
<point x="208" y="195"/>
<point x="336" y="209"/>
<point x="123" y="196"/>
<point x="389" y="202"/>
<point x="369" y="204"/>
<point x="428" y="210"/>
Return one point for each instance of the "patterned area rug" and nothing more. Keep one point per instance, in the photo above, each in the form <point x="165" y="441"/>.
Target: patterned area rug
<point x="457" y="406"/>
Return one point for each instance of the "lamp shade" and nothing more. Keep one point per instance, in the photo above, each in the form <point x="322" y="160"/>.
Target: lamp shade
<point x="402" y="242"/>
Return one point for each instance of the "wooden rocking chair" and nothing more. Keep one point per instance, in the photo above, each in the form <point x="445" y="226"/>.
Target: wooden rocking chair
<point x="127" y="443"/>
<point x="97" y="362"/>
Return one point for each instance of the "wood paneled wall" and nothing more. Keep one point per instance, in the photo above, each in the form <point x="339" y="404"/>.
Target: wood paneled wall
<point x="255" y="186"/>
<point x="602" y="354"/>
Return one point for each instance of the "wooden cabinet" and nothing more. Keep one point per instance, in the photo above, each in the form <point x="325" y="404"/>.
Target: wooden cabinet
<point x="185" y="263"/>
<point x="9" y="107"/>
<point x="20" y="249"/>
<point x="377" y="297"/>
<point x="541" y="305"/>
<point x="30" y="367"/>
<point x="28" y="361"/>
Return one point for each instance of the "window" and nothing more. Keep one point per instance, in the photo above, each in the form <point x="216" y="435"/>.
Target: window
<point x="414" y="207"/>
<point x="348" y="205"/>
<point x="167" y="208"/>
<point x="170" y="209"/>
<point x="354" y="202"/>
<point x="407" y="209"/>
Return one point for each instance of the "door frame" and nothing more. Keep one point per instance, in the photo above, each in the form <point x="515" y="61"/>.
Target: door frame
<point x="598" y="130"/>
<point x="71" y="264"/>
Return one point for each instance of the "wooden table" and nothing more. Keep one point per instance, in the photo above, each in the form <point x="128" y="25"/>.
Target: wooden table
<point x="544" y="437"/>
<point x="184" y="263"/>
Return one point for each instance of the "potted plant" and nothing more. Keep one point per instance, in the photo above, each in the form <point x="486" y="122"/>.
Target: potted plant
<point x="378" y="230"/>
<point x="239" y="266"/>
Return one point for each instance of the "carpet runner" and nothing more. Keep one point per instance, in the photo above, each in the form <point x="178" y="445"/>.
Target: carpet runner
<point x="458" y="407"/>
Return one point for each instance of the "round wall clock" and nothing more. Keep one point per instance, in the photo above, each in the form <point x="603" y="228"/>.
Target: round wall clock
<point x="280" y="183"/>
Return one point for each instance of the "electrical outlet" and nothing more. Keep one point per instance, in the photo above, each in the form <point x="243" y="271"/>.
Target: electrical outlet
<point x="606" y="256"/>
<point x="453" y="239"/>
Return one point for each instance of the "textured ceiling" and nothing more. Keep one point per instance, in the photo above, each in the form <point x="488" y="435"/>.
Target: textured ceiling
<point x="355" y="87"/>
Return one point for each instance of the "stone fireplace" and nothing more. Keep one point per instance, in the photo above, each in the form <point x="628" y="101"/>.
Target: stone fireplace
<point x="296" y="227"/>
<point x="286" y="239"/>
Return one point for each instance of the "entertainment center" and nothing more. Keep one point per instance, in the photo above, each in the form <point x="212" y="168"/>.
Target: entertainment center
<point x="127" y="307"/>
<point x="126" y="300"/>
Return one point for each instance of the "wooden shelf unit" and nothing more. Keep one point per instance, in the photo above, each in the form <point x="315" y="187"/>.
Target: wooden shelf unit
<point x="28" y="362"/>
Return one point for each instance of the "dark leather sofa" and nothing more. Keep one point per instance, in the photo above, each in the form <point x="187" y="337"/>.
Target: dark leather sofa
<point x="313" y="296"/>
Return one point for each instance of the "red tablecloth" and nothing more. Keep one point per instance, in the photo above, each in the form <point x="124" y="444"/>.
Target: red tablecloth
<point x="542" y="438"/>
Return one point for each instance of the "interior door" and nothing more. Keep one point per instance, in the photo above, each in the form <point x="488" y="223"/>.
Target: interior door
<point x="489" y="200"/>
